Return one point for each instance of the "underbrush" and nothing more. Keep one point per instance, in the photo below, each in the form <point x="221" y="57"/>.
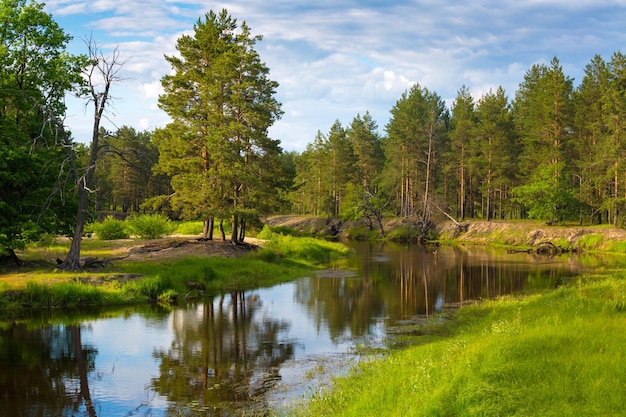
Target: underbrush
<point x="554" y="353"/>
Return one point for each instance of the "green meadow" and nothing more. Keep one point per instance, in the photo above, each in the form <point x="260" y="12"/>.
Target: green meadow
<point x="557" y="353"/>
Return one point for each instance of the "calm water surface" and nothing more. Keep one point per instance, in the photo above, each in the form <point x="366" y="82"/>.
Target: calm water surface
<point x="246" y="352"/>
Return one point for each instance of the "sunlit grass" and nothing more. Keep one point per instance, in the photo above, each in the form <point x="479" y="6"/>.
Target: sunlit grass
<point x="558" y="353"/>
<point x="40" y="286"/>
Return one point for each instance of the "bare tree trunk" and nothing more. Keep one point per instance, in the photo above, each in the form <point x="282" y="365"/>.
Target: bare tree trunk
<point x="101" y="72"/>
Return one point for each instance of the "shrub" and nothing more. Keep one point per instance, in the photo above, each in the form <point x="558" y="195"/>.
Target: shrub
<point x="151" y="226"/>
<point x="111" y="229"/>
<point x="190" y="228"/>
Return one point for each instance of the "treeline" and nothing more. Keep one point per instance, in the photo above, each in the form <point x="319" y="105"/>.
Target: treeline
<point x="554" y="152"/>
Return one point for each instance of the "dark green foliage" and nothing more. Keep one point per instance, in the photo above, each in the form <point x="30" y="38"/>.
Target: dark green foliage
<point x="216" y="149"/>
<point x="35" y="74"/>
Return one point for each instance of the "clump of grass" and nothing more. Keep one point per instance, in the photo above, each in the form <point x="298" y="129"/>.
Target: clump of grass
<point x="591" y="241"/>
<point x="404" y="234"/>
<point x="63" y="294"/>
<point x="615" y="246"/>
<point x="554" y="353"/>
<point x="362" y="233"/>
<point x="308" y="250"/>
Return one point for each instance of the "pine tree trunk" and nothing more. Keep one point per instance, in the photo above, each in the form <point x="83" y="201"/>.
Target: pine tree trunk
<point x="207" y="229"/>
<point x="222" y="230"/>
<point x="234" y="233"/>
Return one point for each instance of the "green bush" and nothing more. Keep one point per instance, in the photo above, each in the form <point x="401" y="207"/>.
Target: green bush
<point x="150" y="226"/>
<point x="111" y="229"/>
<point x="190" y="228"/>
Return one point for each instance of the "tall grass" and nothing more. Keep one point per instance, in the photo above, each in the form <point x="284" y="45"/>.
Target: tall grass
<point x="560" y="353"/>
<point x="306" y="250"/>
<point x="285" y="259"/>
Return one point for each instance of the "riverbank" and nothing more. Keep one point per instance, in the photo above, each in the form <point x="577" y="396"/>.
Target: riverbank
<point x="522" y="233"/>
<point x="556" y="353"/>
<point x="169" y="270"/>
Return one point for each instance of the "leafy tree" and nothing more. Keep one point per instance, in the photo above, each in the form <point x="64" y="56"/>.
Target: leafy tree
<point x="35" y="73"/>
<point x="221" y="102"/>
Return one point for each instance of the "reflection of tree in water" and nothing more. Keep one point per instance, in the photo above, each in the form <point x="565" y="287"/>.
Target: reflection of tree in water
<point x="403" y="282"/>
<point x="223" y="357"/>
<point x="345" y="304"/>
<point x="43" y="371"/>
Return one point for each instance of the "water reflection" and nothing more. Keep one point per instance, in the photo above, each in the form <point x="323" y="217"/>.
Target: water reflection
<point x="223" y="356"/>
<point x="244" y="352"/>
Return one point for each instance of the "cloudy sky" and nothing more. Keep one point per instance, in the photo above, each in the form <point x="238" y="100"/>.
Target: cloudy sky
<point x="335" y="59"/>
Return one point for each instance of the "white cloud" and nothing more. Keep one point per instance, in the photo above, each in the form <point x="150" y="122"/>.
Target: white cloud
<point x="335" y="59"/>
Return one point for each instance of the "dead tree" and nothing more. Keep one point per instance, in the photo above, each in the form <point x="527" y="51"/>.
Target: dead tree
<point x="100" y="75"/>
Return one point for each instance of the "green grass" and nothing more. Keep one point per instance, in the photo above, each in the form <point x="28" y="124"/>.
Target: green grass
<point x="284" y="259"/>
<point x="558" y="353"/>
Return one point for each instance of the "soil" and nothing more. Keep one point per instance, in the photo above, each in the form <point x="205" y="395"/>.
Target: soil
<point x="177" y="248"/>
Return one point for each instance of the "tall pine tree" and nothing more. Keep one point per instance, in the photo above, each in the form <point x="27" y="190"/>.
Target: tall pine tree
<point x="222" y="103"/>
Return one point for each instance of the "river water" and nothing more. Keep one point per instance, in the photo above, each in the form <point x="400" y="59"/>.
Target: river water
<point x="248" y="352"/>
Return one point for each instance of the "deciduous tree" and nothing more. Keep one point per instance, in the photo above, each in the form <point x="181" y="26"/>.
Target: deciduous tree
<point x="36" y="72"/>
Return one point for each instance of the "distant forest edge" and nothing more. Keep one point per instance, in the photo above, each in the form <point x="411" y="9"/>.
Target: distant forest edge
<point x="554" y="153"/>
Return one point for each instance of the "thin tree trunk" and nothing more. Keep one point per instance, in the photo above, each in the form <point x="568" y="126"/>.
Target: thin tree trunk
<point x="207" y="228"/>
<point x="222" y="230"/>
<point x="234" y="233"/>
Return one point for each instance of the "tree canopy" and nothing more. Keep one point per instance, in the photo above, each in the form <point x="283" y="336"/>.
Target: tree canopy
<point x="221" y="101"/>
<point x="36" y="72"/>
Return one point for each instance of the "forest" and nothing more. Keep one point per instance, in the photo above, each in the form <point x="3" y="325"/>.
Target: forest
<point x="553" y="152"/>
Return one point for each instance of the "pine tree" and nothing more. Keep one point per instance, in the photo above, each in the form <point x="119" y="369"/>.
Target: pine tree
<point x="221" y="101"/>
<point x="544" y="116"/>
<point x="462" y="125"/>
<point x="415" y="136"/>
<point x="494" y="162"/>
<point x="592" y="138"/>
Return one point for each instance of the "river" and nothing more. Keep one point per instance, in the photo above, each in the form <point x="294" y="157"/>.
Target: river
<point x="249" y="352"/>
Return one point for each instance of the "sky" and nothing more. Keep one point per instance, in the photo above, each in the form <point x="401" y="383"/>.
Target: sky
<point x="336" y="59"/>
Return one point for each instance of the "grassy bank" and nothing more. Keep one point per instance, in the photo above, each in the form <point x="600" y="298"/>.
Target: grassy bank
<point x="558" y="353"/>
<point x="171" y="280"/>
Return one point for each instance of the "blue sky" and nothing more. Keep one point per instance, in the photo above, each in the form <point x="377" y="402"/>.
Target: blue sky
<point x="335" y="59"/>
